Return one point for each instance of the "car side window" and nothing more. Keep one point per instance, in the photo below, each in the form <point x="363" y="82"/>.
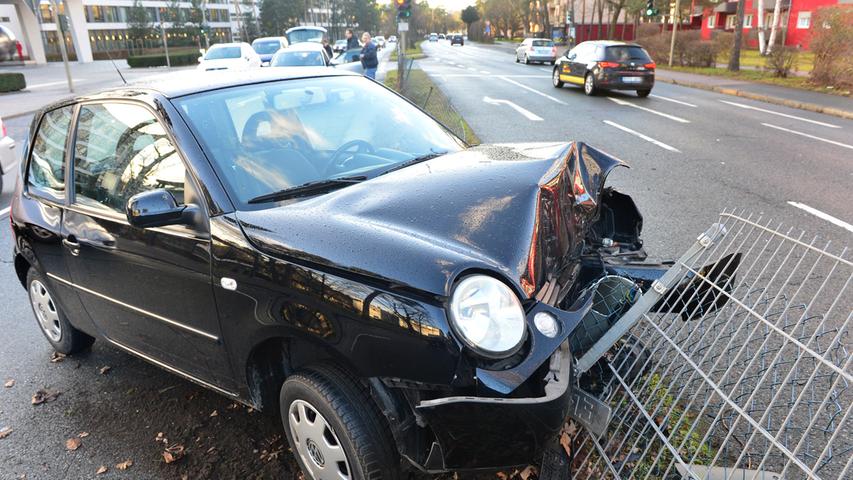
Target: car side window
<point x="47" y="160"/>
<point x="121" y="150"/>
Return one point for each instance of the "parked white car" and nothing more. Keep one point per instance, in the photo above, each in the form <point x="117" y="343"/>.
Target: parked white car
<point x="229" y="56"/>
<point x="8" y="159"/>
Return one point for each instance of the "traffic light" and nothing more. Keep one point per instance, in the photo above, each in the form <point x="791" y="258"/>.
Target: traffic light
<point x="651" y="11"/>
<point x="404" y="8"/>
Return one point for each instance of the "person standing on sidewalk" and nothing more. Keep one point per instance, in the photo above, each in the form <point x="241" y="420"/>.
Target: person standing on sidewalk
<point x="369" y="60"/>
<point x="352" y="42"/>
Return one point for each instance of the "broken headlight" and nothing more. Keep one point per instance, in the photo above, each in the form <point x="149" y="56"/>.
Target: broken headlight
<point x="487" y="316"/>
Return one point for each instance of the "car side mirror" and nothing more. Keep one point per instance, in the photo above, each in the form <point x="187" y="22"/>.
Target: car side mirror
<point x="158" y="208"/>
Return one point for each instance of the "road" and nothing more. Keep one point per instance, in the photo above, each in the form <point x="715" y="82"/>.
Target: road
<point x="692" y="153"/>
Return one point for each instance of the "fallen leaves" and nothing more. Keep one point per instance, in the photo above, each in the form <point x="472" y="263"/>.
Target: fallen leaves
<point x="101" y="470"/>
<point x="83" y="434"/>
<point x="4" y="432"/>
<point x="105" y="369"/>
<point x="214" y="413"/>
<point x="57" y="357"/>
<point x="73" y="443"/>
<point x="124" y="465"/>
<point x="44" y="396"/>
<point x="173" y="453"/>
<point x="9" y="383"/>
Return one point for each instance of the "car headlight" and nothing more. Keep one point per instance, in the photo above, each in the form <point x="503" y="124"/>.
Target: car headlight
<point x="487" y="315"/>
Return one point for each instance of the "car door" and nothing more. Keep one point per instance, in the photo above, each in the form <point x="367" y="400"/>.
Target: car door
<point x="149" y="290"/>
<point x="41" y="209"/>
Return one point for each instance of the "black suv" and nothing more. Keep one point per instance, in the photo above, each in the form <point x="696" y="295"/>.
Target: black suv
<point x="454" y="39"/>
<point x="606" y="65"/>
<point x="400" y="299"/>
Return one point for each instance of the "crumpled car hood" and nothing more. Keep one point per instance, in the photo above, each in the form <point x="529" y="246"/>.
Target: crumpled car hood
<point x="519" y="211"/>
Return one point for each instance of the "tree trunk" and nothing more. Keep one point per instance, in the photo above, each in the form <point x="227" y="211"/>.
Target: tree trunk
<point x="583" y="22"/>
<point x="773" y="26"/>
<point x="760" y="25"/>
<point x="614" y="21"/>
<point x="734" y="58"/>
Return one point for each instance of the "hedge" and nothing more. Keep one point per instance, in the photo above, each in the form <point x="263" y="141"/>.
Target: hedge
<point x="159" y="60"/>
<point x="10" y="82"/>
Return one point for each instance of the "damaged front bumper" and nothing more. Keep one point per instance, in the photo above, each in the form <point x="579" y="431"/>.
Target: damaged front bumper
<point x="487" y="433"/>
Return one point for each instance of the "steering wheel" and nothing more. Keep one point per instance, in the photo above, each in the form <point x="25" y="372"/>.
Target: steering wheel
<point x="337" y="165"/>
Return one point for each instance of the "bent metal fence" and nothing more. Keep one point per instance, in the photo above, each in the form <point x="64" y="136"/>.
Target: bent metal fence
<point x="756" y="388"/>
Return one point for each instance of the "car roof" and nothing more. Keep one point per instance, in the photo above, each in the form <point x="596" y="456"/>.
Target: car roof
<point x="188" y="82"/>
<point x="230" y="44"/>
<point x="303" y="46"/>
<point x="304" y="27"/>
<point x="610" y="43"/>
<point x="266" y="39"/>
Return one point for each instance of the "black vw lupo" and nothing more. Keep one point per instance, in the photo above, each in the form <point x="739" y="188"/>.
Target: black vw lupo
<point x="402" y="299"/>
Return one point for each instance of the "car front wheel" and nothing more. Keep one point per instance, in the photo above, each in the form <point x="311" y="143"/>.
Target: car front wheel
<point x="589" y="84"/>
<point x="555" y="78"/>
<point x="51" y="319"/>
<point x="334" y="428"/>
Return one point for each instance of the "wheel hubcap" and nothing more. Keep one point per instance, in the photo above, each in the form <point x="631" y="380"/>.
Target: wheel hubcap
<point x="588" y="83"/>
<point x="45" y="310"/>
<point x="556" y="77"/>
<point x="316" y="443"/>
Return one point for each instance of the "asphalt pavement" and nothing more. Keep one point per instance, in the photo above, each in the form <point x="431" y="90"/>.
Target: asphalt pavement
<point x="692" y="153"/>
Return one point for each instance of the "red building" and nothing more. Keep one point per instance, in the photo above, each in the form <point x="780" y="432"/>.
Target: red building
<point x="796" y="20"/>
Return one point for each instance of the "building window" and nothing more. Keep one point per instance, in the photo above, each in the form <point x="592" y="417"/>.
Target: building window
<point x="730" y="22"/>
<point x="747" y="21"/>
<point x="712" y="20"/>
<point x="804" y="19"/>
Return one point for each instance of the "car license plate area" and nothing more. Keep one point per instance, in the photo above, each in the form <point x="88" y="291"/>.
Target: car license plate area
<point x="632" y="79"/>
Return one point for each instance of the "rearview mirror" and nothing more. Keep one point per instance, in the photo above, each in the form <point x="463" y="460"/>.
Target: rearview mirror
<point x="157" y="208"/>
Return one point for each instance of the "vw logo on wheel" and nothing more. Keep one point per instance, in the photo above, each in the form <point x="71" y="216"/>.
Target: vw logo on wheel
<point x="315" y="453"/>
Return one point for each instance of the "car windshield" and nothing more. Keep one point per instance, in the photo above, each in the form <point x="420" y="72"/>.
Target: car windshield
<point x="543" y="43"/>
<point x="624" y="53"/>
<point x="305" y="35"/>
<point x="268" y="137"/>
<point x="298" y="59"/>
<point x="222" y="52"/>
<point x="266" y="47"/>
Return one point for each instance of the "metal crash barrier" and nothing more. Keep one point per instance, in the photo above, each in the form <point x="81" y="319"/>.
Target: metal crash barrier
<point x="740" y="370"/>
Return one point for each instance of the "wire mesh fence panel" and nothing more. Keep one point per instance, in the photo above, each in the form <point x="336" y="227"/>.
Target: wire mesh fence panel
<point x="740" y="371"/>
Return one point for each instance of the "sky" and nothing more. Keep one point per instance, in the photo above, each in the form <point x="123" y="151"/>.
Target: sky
<point x="449" y="5"/>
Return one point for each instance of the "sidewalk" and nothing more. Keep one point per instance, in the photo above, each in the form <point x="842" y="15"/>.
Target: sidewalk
<point x="790" y="97"/>
<point x="47" y="83"/>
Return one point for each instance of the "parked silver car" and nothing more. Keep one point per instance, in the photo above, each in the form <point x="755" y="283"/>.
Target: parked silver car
<point x="8" y="158"/>
<point x="536" y="50"/>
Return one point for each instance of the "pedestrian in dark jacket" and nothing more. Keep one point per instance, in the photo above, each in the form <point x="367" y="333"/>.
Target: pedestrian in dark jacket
<point x="352" y="42"/>
<point x="327" y="48"/>
<point x="369" y="60"/>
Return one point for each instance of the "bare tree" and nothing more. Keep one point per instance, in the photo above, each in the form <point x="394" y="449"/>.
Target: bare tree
<point x="761" y="45"/>
<point x="734" y="58"/>
<point x="774" y="27"/>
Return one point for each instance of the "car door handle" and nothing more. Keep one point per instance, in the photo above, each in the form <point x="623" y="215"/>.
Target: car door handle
<point x="72" y="245"/>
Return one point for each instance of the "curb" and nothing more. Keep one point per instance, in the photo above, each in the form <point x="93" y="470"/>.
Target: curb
<point x="762" y="98"/>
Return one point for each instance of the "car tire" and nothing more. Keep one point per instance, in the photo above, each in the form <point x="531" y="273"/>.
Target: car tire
<point x="51" y="320"/>
<point x="644" y="93"/>
<point x="516" y="57"/>
<point x="526" y="59"/>
<point x="353" y="432"/>
<point x="555" y="78"/>
<point x="589" y="85"/>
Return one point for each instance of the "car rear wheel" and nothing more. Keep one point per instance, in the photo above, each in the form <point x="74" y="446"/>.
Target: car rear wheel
<point x="589" y="84"/>
<point x="516" y="57"/>
<point x="334" y="428"/>
<point x="555" y="78"/>
<point x="526" y="59"/>
<point x="52" y="321"/>
<point x="644" y="93"/>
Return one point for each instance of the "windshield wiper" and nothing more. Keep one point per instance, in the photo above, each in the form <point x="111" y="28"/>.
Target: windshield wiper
<point x="307" y="189"/>
<point x="408" y="163"/>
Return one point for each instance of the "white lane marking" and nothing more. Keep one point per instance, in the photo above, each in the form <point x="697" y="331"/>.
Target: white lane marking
<point x="485" y="72"/>
<point x="472" y="69"/>
<point x="644" y="137"/>
<point x="666" y="115"/>
<point x="844" y="145"/>
<point x="4" y="211"/>
<point x="492" y="76"/>
<point x="750" y="107"/>
<point x="825" y="216"/>
<point x="537" y="92"/>
<point x="673" y="100"/>
<point x="50" y="84"/>
<point x="527" y="113"/>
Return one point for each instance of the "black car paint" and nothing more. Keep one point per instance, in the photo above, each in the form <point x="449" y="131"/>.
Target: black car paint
<point x="359" y="276"/>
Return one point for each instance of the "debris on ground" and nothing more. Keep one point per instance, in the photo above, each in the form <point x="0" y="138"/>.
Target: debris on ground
<point x="73" y="443"/>
<point x="124" y="465"/>
<point x="44" y="396"/>
<point x="173" y="453"/>
<point x="9" y="383"/>
<point x="4" y="432"/>
<point x="57" y="357"/>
